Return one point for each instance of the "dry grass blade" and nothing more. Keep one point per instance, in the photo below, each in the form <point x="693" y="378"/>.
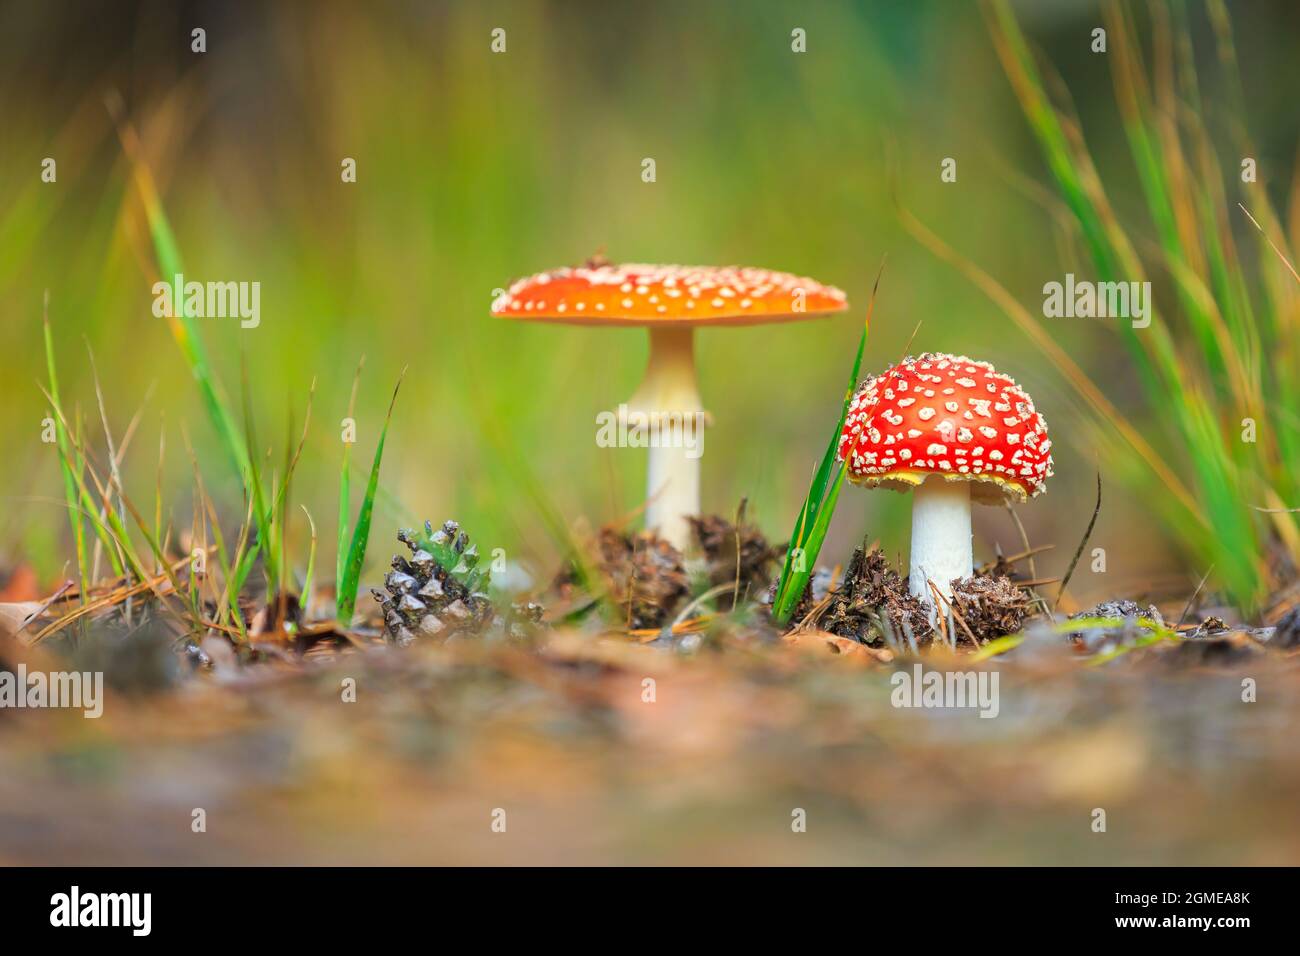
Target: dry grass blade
<point x="1191" y="601"/>
<point x="311" y="564"/>
<point x="1272" y="245"/>
<point x="114" y="472"/>
<point x="117" y="596"/>
<point x="645" y="635"/>
<point x="943" y="620"/>
<point x="686" y="612"/>
<point x="1083" y="543"/>
<point x="1024" y="539"/>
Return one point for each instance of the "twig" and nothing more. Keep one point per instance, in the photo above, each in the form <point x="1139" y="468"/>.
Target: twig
<point x="1024" y="540"/>
<point x="952" y="610"/>
<point x="740" y="517"/>
<point x="962" y="621"/>
<point x="631" y="586"/>
<point x="816" y="612"/>
<point x="820" y="607"/>
<point x="708" y="595"/>
<point x="934" y="591"/>
<point x="1020" y="556"/>
<point x="1192" y="600"/>
<point x="45" y="606"/>
<point x="908" y="347"/>
<point x="1082" y="544"/>
<point x="114" y="473"/>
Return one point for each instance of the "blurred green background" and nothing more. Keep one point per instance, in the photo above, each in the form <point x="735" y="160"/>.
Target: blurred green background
<point x="475" y="167"/>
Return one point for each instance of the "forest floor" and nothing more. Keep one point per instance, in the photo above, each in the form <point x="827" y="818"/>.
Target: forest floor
<point x="691" y="742"/>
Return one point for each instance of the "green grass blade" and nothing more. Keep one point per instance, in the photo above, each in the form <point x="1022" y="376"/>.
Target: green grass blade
<point x="345" y="486"/>
<point x="167" y="256"/>
<point x="344" y="493"/>
<point x="116" y="532"/>
<point x="61" y="438"/>
<point x="74" y="468"/>
<point x="263" y="517"/>
<point x="818" y="506"/>
<point x="348" y="584"/>
<point x="280" y="509"/>
<point x="788" y="600"/>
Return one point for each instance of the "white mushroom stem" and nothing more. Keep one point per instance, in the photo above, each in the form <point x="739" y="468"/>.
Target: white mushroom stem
<point x="941" y="538"/>
<point x="669" y="400"/>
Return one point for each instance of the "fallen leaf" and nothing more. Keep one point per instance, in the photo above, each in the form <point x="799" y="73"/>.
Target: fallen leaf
<point x="14" y="614"/>
<point x="823" y="642"/>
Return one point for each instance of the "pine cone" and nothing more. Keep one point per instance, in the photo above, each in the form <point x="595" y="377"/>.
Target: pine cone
<point x="438" y="591"/>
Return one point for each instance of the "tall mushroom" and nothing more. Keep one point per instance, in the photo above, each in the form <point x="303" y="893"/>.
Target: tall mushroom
<point x="669" y="301"/>
<point x="951" y="430"/>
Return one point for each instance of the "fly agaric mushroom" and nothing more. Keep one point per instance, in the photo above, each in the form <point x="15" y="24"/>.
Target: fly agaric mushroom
<point x="670" y="301"/>
<point x="950" y="430"/>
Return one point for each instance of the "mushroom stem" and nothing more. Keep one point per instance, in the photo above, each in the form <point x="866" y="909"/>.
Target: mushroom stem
<point x="669" y="400"/>
<point x="941" y="538"/>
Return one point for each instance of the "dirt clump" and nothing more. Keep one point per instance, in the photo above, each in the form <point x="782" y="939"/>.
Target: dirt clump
<point x="1129" y="612"/>
<point x="644" y="577"/>
<point x="1122" y="609"/>
<point x="1001" y="567"/>
<point x="735" y="551"/>
<point x="1212" y="625"/>
<point x="873" y="595"/>
<point x="990" y="606"/>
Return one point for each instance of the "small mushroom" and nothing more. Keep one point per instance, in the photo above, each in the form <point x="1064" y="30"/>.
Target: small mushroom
<point x="670" y="301"/>
<point x="951" y="430"/>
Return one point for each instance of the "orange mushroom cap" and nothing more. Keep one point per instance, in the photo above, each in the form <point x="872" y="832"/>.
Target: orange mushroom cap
<point x="637" y="294"/>
<point x="947" y="415"/>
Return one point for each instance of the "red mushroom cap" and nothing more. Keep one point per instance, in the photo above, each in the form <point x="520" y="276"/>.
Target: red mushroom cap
<point x="632" y="294"/>
<point x="952" y="416"/>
